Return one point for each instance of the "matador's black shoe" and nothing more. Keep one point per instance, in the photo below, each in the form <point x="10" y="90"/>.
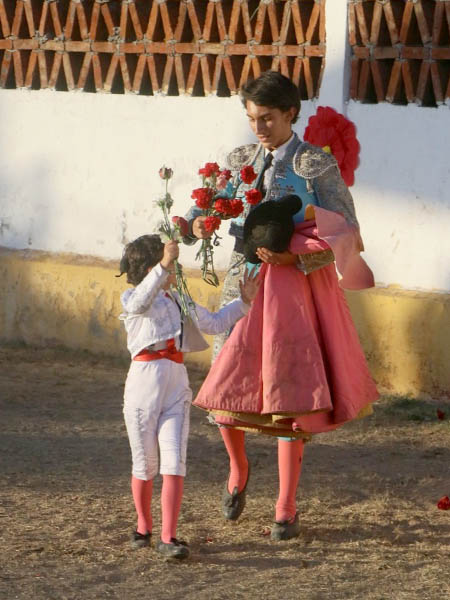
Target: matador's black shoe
<point x="175" y="549"/>
<point x="140" y="540"/>
<point x="285" y="530"/>
<point x="233" y="504"/>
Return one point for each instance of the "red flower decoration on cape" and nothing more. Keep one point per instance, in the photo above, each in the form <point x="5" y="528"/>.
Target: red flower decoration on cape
<point x="440" y="414"/>
<point x="329" y="128"/>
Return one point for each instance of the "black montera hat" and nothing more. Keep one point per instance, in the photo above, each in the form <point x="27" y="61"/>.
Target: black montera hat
<point x="270" y="225"/>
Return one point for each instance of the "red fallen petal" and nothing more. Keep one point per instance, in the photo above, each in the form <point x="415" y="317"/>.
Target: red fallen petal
<point x="265" y="531"/>
<point x="440" y="414"/>
<point x="208" y="540"/>
<point x="444" y="503"/>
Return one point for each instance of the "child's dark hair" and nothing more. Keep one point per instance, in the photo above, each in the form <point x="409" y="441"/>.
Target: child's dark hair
<point x="145" y="252"/>
<point x="274" y="90"/>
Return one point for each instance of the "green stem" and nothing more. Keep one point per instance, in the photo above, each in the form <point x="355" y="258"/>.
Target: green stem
<point x="186" y="301"/>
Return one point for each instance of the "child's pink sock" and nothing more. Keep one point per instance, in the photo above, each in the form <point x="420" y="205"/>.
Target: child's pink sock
<point x="171" y="497"/>
<point x="142" y="496"/>
<point x="290" y="456"/>
<point x="234" y="440"/>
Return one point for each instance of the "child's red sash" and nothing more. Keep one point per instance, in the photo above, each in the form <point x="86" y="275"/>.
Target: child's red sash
<point x="171" y="353"/>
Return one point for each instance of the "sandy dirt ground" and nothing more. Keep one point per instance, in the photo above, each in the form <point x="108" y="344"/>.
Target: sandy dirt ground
<point x="370" y="525"/>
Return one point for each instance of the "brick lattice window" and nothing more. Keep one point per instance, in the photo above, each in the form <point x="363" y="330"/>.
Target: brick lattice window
<point x="400" y="51"/>
<point x="194" y="47"/>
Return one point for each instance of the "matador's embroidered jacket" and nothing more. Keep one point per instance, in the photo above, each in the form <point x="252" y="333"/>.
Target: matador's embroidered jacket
<point x="305" y="170"/>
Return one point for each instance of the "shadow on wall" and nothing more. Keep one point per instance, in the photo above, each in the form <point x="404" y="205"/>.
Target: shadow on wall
<point x="26" y="197"/>
<point x="60" y="300"/>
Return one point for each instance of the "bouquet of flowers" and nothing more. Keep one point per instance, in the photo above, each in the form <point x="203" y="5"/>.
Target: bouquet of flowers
<point x="174" y="230"/>
<point x="217" y="201"/>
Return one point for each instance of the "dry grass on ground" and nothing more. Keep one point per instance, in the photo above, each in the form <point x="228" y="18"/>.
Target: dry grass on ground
<point x="370" y="526"/>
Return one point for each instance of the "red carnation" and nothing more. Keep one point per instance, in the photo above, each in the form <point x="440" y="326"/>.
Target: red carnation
<point x="444" y="503"/>
<point x="248" y="174"/>
<point x="226" y="174"/>
<point x="209" y="169"/>
<point x="229" y="208"/>
<point x="329" y="128"/>
<point x="222" y="205"/>
<point x="182" y="225"/>
<point x="236" y="207"/>
<point x="212" y="223"/>
<point x="253" y="196"/>
<point x="203" y="197"/>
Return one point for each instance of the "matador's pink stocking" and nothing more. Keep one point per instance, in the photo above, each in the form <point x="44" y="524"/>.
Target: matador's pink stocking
<point x="290" y="455"/>
<point x="142" y="496"/>
<point x="234" y="440"/>
<point x="171" y="497"/>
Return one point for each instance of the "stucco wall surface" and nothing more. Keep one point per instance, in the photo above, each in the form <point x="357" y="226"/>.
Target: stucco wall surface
<point x="74" y="301"/>
<point x="70" y="300"/>
<point x="402" y="192"/>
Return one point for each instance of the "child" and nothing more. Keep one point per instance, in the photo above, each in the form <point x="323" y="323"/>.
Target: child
<point x="157" y="396"/>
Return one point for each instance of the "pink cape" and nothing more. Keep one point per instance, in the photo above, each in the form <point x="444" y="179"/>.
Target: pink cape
<point x="295" y="361"/>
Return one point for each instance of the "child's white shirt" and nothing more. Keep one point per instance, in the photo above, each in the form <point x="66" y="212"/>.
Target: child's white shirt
<point x="151" y="316"/>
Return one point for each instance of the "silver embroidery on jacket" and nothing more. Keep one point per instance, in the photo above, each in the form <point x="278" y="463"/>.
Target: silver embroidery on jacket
<point x="311" y="161"/>
<point x="242" y="156"/>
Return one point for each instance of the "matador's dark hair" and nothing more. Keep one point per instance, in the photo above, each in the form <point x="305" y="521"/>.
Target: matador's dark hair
<point x="274" y="90"/>
<point x="138" y="256"/>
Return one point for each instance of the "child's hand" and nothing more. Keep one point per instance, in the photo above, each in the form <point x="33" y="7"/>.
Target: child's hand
<point x="171" y="252"/>
<point x="250" y="285"/>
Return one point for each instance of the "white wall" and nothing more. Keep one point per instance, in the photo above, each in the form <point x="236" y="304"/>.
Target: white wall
<point x="79" y="172"/>
<point x="403" y="192"/>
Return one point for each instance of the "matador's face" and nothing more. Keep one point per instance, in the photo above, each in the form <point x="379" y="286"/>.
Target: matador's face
<point x="271" y="126"/>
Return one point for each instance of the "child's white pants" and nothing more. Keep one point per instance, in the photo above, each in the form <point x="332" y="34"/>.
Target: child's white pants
<point x="157" y="403"/>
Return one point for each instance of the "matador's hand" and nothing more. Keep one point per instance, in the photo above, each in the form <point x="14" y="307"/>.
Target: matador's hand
<point x="198" y="228"/>
<point x="276" y="258"/>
